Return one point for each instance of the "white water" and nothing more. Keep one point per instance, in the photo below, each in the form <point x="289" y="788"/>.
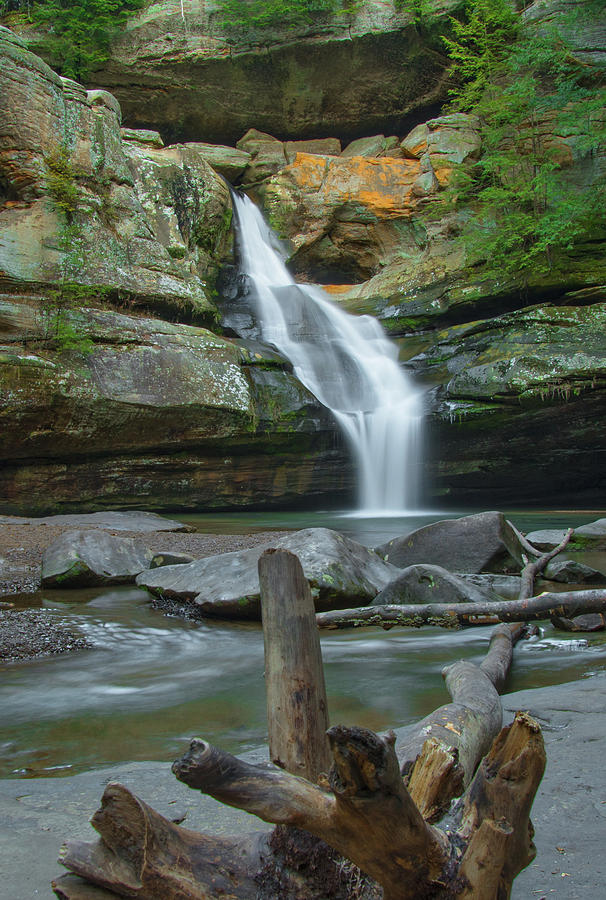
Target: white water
<point x="346" y="362"/>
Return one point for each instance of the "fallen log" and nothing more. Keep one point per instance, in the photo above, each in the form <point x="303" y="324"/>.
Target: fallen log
<point x="459" y="615"/>
<point x="363" y="808"/>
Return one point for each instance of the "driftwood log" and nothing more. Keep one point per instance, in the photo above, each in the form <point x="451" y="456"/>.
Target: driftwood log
<point x="358" y="830"/>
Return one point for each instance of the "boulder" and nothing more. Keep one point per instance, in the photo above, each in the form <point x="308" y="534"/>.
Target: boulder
<point x="592" y="535"/>
<point x="568" y="571"/>
<point x="319" y="146"/>
<point x="432" y="584"/>
<point x="344" y="215"/>
<point x="143" y="136"/>
<point x="93" y="558"/>
<point x="370" y="146"/>
<point x="229" y="162"/>
<point x="587" y="537"/>
<point x="484" y="542"/>
<point x="267" y="155"/>
<point x="341" y="573"/>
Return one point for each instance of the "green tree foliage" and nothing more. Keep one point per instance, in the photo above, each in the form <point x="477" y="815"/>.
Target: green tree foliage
<point x="241" y="16"/>
<point x="77" y="32"/>
<point x="539" y="109"/>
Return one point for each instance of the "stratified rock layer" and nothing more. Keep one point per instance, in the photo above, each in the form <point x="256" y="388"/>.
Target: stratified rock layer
<point x="156" y="415"/>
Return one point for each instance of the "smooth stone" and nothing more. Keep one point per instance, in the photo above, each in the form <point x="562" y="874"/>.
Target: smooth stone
<point x="90" y="558"/>
<point x="570" y="572"/>
<point x="484" y="542"/>
<point x="587" y="622"/>
<point x="547" y="538"/>
<point x="432" y="584"/>
<point x="340" y="571"/>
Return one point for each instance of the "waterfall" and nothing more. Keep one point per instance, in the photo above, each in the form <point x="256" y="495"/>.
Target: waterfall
<point x="346" y="362"/>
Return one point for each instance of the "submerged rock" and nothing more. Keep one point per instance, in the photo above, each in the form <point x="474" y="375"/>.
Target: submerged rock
<point x="424" y="583"/>
<point x="93" y="558"/>
<point x="485" y="542"/>
<point x="340" y="571"/>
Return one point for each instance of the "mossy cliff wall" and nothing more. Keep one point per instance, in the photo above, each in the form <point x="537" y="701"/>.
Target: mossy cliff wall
<point x="108" y="242"/>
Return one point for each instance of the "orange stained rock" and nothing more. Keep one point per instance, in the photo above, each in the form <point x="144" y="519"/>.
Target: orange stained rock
<point x="383" y="185"/>
<point x="337" y="289"/>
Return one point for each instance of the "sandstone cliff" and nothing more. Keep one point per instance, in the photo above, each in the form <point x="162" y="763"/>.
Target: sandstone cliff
<point x="116" y="253"/>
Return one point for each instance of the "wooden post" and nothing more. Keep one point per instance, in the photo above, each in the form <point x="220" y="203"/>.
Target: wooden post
<point x="297" y="711"/>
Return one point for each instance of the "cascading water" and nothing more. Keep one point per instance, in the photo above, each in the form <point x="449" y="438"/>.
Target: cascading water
<point x="346" y="362"/>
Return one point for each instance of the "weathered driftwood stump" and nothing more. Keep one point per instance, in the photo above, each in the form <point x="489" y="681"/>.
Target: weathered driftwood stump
<point x="361" y="830"/>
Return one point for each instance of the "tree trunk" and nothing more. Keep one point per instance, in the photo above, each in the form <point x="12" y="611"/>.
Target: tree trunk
<point x="297" y="709"/>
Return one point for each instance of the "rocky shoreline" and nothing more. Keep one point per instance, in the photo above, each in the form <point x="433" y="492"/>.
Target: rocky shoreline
<point x="33" y="633"/>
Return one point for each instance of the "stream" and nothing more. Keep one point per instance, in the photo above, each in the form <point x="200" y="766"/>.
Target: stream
<point x="152" y="682"/>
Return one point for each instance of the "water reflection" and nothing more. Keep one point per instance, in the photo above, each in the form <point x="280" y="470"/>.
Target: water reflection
<point x="152" y="682"/>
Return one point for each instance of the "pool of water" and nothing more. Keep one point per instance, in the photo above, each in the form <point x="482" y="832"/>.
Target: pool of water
<point x="152" y="682"/>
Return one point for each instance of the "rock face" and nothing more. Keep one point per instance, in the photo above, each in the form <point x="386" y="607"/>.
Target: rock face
<point x="341" y="573"/>
<point x="177" y="69"/>
<point x="79" y="205"/>
<point x="101" y="405"/>
<point x="177" y="417"/>
<point x="484" y="542"/>
<point x="93" y="558"/>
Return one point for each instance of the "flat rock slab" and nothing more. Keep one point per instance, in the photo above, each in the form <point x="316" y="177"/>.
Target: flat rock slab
<point x="587" y="537"/>
<point x="340" y="571"/>
<point x="569" y="811"/>
<point x="133" y="520"/>
<point x="93" y="558"/>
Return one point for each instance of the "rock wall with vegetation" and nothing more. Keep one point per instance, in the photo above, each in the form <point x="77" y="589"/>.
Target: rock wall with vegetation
<point x="109" y="243"/>
<point x="474" y="231"/>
